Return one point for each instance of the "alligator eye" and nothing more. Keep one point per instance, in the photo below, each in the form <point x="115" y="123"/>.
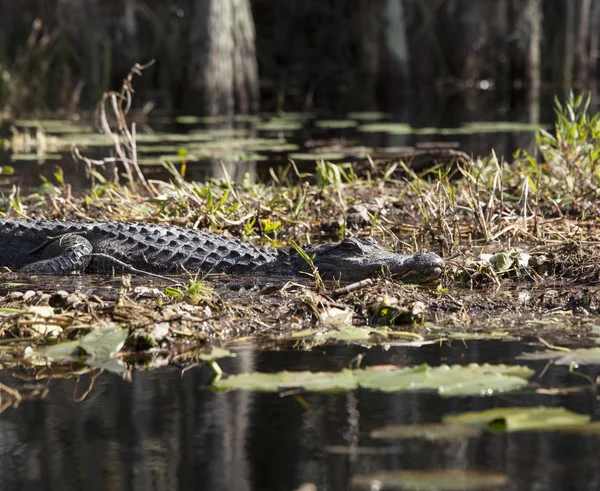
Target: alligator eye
<point x="348" y="243"/>
<point x="369" y="241"/>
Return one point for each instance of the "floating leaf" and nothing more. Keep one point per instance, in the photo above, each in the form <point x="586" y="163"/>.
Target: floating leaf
<point x="448" y="381"/>
<point x="271" y="382"/>
<point x="367" y="115"/>
<point x="61" y="350"/>
<point x="316" y="156"/>
<point x="279" y="125"/>
<point x="579" y="356"/>
<point x="103" y="343"/>
<point x="35" y="156"/>
<point x="520" y="418"/>
<point x="99" y="344"/>
<point x="501" y="126"/>
<point x="216" y="353"/>
<point x="441" y="480"/>
<point x="391" y="128"/>
<point x="431" y="431"/>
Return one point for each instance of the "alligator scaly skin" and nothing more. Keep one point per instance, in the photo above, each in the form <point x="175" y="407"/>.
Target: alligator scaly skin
<point x="42" y="246"/>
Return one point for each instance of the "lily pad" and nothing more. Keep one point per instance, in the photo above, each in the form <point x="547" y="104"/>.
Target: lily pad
<point x="316" y="156"/>
<point x="443" y="480"/>
<point x="391" y="128"/>
<point x="447" y="381"/>
<point x="579" y="356"/>
<point x="103" y="343"/>
<point x="99" y="344"/>
<point x="271" y="382"/>
<point x="279" y="125"/>
<point x="35" y="156"/>
<point x="501" y="126"/>
<point x="508" y="419"/>
<point x="215" y="354"/>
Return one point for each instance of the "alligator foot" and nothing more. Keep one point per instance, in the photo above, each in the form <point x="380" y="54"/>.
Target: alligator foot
<point x="66" y="254"/>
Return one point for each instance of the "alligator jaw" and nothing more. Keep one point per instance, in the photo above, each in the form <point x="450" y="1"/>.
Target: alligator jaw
<point x="355" y="259"/>
<point x="421" y="268"/>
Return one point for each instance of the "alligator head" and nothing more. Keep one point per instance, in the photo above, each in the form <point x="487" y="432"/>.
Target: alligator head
<point x="356" y="259"/>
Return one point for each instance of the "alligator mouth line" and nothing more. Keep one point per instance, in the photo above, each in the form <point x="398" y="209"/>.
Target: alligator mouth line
<point x="419" y="274"/>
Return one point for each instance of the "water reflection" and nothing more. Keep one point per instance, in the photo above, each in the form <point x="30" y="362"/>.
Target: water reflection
<point x="206" y="158"/>
<point x="165" y="429"/>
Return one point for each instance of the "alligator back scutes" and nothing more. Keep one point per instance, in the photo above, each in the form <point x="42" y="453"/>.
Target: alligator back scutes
<point x="148" y="247"/>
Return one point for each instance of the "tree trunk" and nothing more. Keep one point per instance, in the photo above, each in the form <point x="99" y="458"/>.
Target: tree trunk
<point x="569" y="61"/>
<point x="223" y="74"/>
<point x="582" y="42"/>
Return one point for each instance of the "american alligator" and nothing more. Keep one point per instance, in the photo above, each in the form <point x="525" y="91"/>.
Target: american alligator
<point x="61" y="247"/>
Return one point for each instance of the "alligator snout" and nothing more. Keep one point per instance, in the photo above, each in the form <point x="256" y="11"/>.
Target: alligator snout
<point x="354" y="259"/>
<point x="420" y="267"/>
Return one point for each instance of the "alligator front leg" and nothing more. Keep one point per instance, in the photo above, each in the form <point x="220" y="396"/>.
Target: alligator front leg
<point x="67" y="254"/>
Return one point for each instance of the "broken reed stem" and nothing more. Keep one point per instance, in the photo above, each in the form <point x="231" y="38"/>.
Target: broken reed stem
<point x="124" y="139"/>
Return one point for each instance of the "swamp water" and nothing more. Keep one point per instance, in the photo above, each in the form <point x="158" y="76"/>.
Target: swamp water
<point x="169" y="425"/>
<point x="167" y="429"/>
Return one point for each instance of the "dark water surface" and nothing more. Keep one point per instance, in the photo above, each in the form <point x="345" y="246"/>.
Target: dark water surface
<point x="442" y="113"/>
<point x="166" y="429"/>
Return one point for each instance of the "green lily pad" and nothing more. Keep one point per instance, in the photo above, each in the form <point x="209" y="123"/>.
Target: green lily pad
<point x="215" y="354"/>
<point x="99" y="344"/>
<point x="579" y="356"/>
<point x="61" y="350"/>
<point x="316" y="156"/>
<point x="103" y="343"/>
<point x="391" y="128"/>
<point x="279" y="125"/>
<point x="271" y="382"/>
<point x="447" y="381"/>
<point x="441" y="480"/>
<point x="34" y="156"/>
<point x="507" y="419"/>
<point x="501" y="126"/>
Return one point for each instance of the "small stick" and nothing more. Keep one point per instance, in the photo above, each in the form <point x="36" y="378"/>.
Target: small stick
<point x="359" y="285"/>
